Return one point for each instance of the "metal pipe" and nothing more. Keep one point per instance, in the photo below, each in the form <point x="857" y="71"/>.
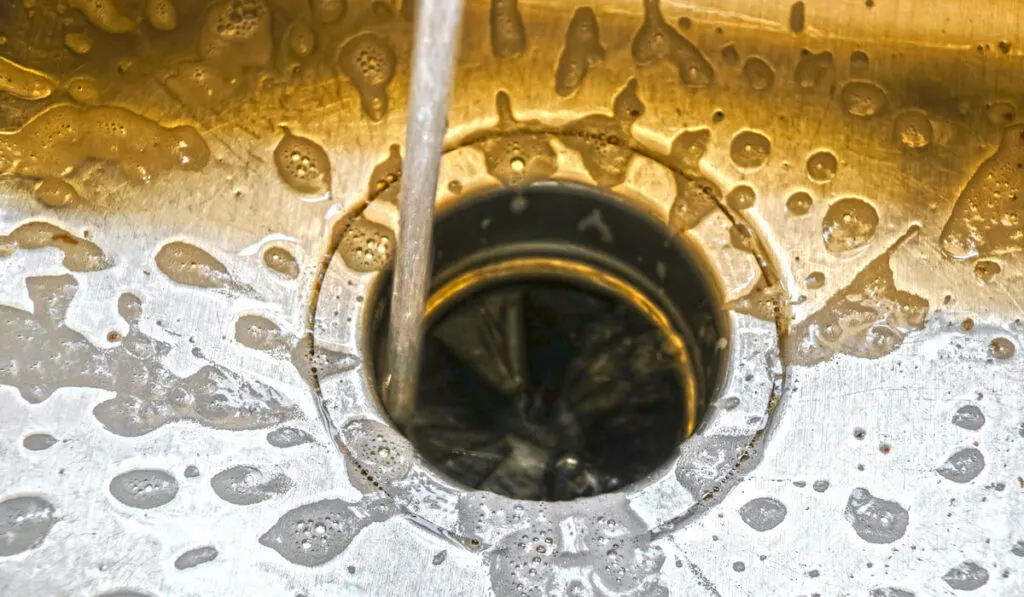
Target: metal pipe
<point x="437" y="32"/>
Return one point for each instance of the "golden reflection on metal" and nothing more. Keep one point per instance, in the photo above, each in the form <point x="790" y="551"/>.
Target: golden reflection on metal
<point x="920" y="118"/>
<point x="552" y="268"/>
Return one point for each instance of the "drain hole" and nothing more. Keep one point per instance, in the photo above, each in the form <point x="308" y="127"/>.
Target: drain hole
<point x="570" y="346"/>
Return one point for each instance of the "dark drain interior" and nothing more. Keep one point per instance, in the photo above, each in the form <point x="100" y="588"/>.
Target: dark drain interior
<point x="571" y="345"/>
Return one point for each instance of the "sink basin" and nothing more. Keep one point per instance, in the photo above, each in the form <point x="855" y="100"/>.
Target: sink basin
<point x="198" y="206"/>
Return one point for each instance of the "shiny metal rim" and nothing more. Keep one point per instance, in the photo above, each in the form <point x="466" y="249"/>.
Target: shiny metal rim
<point x="702" y="472"/>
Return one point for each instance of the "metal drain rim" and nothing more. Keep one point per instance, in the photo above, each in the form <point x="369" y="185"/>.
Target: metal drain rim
<point x="703" y="469"/>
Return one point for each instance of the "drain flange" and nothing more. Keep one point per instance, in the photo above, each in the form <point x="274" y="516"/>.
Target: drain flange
<point x="685" y="280"/>
<point x="561" y="358"/>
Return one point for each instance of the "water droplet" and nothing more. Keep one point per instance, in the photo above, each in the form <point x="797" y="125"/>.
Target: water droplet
<point x="196" y="557"/>
<point x="849" y="224"/>
<point x="80" y="255"/>
<point x="749" y="150"/>
<point x="288" y="437"/>
<point x="799" y="203"/>
<point x="969" y="417"/>
<point x="812" y="68"/>
<point x="963" y="466"/>
<point x="246" y="485"/>
<point x="79" y="43"/>
<point x="296" y="539"/>
<point x="104" y="15"/>
<point x="730" y="55"/>
<point x="656" y="41"/>
<point x="912" y="130"/>
<point x="688" y="147"/>
<point x="187" y="264"/>
<point x="144" y="488"/>
<point x="301" y="39"/>
<point x="24" y="523"/>
<point x="582" y="50"/>
<point x="863" y="99"/>
<point x="876" y="520"/>
<point x="987" y="217"/>
<point x="859" y="63"/>
<point x="759" y="74"/>
<point x="695" y="199"/>
<point x="83" y="90"/>
<point x="1002" y="348"/>
<point x="516" y="157"/>
<point x="303" y="164"/>
<point x="366" y="246"/>
<point x="890" y="592"/>
<point x="966" y="576"/>
<point x="508" y="34"/>
<point x="986" y="271"/>
<point x="368" y="61"/>
<point x="162" y="14"/>
<point x="815" y="280"/>
<point x="822" y="167"/>
<point x="378" y="452"/>
<point x="281" y="261"/>
<point x="796" y="17"/>
<point x="39" y="441"/>
<point x="741" y="197"/>
<point x="763" y="514"/>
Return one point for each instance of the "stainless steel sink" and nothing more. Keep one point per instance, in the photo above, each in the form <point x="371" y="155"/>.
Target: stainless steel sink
<point x="197" y="212"/>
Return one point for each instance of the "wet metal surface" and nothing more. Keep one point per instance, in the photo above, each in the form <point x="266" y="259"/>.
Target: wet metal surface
<point x="198" y="200"/>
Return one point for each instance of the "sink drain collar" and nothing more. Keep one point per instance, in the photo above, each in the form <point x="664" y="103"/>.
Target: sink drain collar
<point x="738" y="359"/>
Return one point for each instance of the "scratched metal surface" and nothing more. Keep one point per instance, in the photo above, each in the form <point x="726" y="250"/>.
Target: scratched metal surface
<point x="164" y="432"/>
